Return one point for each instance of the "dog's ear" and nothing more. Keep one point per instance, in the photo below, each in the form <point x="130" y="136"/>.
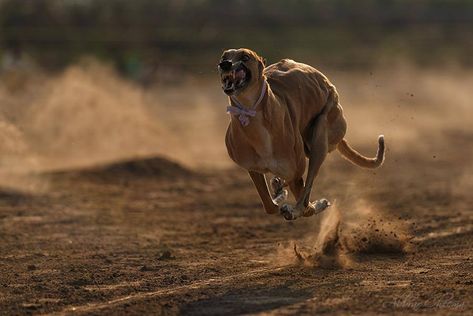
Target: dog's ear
<point x="261" y="65"/>
<point x="223" y="53"/>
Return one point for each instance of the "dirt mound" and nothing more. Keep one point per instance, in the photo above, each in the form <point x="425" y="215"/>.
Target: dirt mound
<point x="12" y="196"/>
<point x="131" y="168"/>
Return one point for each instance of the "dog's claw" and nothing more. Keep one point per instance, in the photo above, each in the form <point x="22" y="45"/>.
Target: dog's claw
<point x="280" y="197"/>
<point x="321" y="205"/>
<point x="286" y="212"/>
<point x="317" y="207"/>
<point x="277" y="184"/>
<point x="290" y="213"/>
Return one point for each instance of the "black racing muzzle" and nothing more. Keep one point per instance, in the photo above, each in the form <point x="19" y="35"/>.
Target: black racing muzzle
<point x="225" y="65"/>
<point x="234" y="76"/>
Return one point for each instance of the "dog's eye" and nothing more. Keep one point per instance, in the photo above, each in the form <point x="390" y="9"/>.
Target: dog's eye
<point x="245" y="58"/>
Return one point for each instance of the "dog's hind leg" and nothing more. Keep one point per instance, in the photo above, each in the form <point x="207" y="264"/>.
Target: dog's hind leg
<point x="318" y="152"/>
<point x="297" y="187"/>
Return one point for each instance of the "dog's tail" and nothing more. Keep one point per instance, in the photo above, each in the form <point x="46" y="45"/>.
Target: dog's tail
<point x="360" y="160"/>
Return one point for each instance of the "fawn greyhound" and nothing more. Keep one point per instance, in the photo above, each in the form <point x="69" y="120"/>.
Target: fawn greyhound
<point x="280" y="115"/>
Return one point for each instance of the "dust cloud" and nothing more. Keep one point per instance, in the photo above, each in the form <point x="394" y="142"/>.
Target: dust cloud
<point x="84" y="116"/>
<point x="341" y="235"/>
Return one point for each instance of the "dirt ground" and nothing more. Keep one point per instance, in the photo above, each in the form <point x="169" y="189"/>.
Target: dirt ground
<point x="158" y="237"/>
<point x="151" y="236"/>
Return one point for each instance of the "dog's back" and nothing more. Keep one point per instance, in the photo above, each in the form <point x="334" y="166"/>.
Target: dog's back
<point x="302" y="88"/>
<point x="301" y="76"/>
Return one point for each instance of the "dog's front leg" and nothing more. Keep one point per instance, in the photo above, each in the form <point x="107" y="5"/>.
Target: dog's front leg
<point x="279" y="193"/>
<point x="262" y="187"/>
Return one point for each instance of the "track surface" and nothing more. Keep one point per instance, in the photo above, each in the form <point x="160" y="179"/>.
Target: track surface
<point x="123" y="242"/>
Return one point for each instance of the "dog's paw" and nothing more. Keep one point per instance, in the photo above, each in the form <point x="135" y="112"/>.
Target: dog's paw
<point x="316" y="208"/>
<point x="321" y="205"/>
<point x="287" y="211"/>
<point x="281" y="197"/>
<point x="277" y="185"/>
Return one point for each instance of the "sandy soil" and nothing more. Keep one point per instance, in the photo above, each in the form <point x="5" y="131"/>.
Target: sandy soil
<point x="152" y="236"/>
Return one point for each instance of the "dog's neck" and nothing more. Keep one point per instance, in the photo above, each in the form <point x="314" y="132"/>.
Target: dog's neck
<point x="249" y="99"/>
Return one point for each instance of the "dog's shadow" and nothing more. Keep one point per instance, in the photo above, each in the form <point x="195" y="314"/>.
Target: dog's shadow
<point x="249" y="299"/>
<point x="278" y="290"/>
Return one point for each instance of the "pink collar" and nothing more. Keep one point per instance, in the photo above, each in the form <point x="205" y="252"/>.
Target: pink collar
<point x="244" y="113"/>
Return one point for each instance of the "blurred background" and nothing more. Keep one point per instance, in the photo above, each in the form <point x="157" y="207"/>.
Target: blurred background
<point x="142" y="37"/>
<point x="85" y="81"/>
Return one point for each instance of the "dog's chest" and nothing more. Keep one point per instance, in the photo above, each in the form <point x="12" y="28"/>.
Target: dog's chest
<point x="257" y="152"/>
<point x="263" y="145"/>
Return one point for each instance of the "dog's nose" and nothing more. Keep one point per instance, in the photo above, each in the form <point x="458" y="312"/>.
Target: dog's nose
<point x="225" y="65"/>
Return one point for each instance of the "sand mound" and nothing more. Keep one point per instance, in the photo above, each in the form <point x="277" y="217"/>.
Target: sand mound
<point x="132" y="168"/>
<point x="12" y="196"/>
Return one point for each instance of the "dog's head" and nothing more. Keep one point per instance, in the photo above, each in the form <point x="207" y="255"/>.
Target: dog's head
<point x="239" y="69"/>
